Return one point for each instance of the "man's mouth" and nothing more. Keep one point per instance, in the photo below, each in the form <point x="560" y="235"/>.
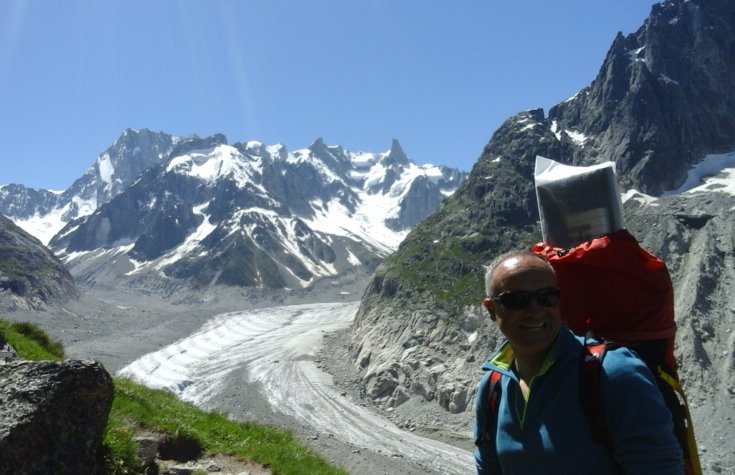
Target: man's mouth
<point x="533" y="326"/>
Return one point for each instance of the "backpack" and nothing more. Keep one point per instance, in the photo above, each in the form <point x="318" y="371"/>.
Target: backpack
<point x="614" y="290"/>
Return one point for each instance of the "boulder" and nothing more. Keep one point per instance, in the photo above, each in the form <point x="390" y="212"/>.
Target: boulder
<point x="52" y="415"/>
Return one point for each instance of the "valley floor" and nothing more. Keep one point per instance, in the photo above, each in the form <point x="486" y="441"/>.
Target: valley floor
<point x="138" y="335"/>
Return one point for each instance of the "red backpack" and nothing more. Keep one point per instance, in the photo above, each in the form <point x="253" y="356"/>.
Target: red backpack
<point x="617" y="291"/>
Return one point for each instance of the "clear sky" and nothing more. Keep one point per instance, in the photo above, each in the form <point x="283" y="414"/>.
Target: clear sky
<point x="439" y="76"/>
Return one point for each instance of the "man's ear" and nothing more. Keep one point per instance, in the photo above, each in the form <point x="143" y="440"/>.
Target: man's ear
<point x="490" y="306"/>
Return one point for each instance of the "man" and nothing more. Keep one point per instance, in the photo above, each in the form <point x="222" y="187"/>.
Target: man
<point x="539" y="424"/>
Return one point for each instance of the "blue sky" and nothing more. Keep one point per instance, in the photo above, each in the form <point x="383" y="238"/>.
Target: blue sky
<point x="439" y="76"/>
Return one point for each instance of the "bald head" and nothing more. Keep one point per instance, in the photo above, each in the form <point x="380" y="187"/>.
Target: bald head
<point x="509" y="261"/>
<point x="523" y="301"/>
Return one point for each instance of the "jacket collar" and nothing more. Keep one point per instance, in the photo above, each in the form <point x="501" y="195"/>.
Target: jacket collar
<point x="502" y="359"/>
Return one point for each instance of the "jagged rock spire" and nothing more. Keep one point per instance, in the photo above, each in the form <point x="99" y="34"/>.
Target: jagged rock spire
<point x="396" y="155"/>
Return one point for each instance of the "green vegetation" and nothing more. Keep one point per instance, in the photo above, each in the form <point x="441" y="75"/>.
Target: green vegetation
<point x="136" y="408"/>
<point x="31" y="342"/>
<point x="9" y="266"/>
<point x="18" y="263"/>
<point x="451" y="267"/>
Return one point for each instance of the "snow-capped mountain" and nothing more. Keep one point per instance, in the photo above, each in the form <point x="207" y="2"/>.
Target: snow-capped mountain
<point x="42" y="213"/>
<point x="246" y="214"/>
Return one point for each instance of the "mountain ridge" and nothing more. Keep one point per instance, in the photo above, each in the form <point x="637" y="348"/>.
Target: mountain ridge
<point x="248" y="214"/>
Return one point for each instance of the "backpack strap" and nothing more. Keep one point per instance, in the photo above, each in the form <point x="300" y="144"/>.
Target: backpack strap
<point x="676" y="401"/>
<point x="590" y="392"/>
<point x="493" y="395"/>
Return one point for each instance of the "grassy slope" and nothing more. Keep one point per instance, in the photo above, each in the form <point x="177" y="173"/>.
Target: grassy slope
<point x="136" y="407"/>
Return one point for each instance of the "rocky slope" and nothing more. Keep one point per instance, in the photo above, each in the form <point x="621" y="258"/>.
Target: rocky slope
<point x="655" y="110"/>
<point x="30" y="275"/>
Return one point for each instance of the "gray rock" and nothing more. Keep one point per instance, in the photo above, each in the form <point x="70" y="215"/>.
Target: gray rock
<point x="7" y="352"/>
<point x="182" y="470"/>
<point x="147" y="449"/>
<point x="52" y="415"/>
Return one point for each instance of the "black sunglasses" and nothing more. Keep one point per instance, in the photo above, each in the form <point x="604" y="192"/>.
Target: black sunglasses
<point x="520" y="299"/>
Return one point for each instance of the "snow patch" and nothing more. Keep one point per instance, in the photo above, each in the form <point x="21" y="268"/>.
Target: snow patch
<point x="44" y="227"/>
<point x="578" y="137"/>
<point x="352" y="259"/>
<point x="635" y="55"/>
<point x="375" y="176"/>
<point x="715" y="173"/>
<point x="105" y="168"/>
<point x="555" y="129"/>
<point x="188" y="246"/>
<point x="642" y="198"/>
<point x="362" y="160"/>
<point x="434" y="174"/>
<point x="214" y="164"/>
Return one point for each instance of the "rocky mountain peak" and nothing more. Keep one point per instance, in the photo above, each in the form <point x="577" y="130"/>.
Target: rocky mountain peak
<point x="661" y="100"/>
<point x="192" y="142"/>
<point x="396" y="155"/>
<point x="318" y="146"/>
<point x="334" y="157"/>
<point x="322" y="150"/>
<point x="253" y="148"/>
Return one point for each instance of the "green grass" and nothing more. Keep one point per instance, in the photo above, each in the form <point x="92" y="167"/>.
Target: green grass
<point x="451" y="268"/>
<point x="30" y="342"/>
<point x="136" y="408"/>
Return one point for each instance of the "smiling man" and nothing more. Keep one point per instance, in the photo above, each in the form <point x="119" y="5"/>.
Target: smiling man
<point x="529" y="417"/>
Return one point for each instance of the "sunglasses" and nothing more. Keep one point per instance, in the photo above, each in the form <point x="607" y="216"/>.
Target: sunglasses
<point x="520" y="299"/>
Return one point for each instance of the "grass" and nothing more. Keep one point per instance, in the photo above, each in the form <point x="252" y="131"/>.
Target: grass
<point x="30" y="342"/>
<point x="136" y="408"/>
<point x="451" y="267"/>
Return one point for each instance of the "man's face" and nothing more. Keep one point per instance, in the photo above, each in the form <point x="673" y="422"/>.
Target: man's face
<point x="530" y="330"/>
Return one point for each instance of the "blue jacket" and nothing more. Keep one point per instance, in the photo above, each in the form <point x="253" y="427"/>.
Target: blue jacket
<point x="550" y="432"/>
